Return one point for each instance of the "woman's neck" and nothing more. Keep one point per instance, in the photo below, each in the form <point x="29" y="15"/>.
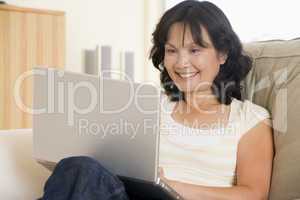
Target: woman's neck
<point x="200" y="101"/>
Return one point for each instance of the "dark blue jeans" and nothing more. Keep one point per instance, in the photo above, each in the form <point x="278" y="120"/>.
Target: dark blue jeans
<point x="83" y="178"/>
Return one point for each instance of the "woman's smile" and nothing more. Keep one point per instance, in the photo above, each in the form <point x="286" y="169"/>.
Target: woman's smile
<point x="187" y="76"/>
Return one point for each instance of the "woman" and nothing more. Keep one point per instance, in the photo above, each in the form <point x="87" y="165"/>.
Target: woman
<point x="213" y="145"/>
<point x="219" y="147"/>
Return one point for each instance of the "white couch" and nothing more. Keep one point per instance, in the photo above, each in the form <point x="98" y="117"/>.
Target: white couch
<point x="22" y="178"/>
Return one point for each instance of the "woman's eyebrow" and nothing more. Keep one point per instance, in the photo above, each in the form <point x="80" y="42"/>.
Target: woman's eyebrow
<point x="189" y="44"/>
<point x="167" y="43"/>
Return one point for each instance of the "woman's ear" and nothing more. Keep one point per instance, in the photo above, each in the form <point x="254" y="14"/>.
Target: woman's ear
<point x="222" y="58"/>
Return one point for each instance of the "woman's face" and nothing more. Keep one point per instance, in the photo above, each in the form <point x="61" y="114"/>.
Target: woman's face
<point x="191" y="67"/>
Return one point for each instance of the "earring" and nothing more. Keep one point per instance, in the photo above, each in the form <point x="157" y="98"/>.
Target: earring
<point x="161" y="67"/>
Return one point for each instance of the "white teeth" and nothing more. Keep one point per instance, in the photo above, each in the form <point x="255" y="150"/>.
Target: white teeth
<point x="187" y="75"/>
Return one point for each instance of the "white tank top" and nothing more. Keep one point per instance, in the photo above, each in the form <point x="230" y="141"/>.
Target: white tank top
<point x="205" y="156"/>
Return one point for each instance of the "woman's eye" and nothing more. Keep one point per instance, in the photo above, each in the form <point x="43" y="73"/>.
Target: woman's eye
<point x="195" y="50"/>
<point x="170" y="51"/>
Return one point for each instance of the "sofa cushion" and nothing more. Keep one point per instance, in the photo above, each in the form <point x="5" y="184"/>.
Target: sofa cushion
<point x="274" y="82"/>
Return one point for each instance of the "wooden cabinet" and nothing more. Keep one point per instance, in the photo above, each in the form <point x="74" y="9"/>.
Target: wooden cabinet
<point x="28" y="38"/>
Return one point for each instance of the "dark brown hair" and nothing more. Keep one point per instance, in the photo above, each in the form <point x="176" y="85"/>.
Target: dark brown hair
<point x="197" y="14"/>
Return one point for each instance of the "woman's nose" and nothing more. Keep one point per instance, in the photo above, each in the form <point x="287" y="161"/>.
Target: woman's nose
<point x="183" y="60"/>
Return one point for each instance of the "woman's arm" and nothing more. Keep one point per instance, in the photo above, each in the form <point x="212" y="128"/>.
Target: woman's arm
<point x="193" y="192"/>
<point x="254" y="166"/>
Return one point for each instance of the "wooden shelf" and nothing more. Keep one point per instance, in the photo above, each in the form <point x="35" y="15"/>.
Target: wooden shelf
<point x="28" y="38"/>
<point x="8" y="7"/>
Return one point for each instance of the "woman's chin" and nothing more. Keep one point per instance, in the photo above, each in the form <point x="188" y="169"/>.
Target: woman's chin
<point x="194" y="86"/>
<point x="194" y="89"/>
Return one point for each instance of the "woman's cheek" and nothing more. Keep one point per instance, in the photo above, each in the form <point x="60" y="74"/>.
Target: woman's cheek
<point x="169" y="64"/>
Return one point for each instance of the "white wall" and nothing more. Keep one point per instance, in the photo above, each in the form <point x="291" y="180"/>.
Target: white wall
<point x="153" y="12"/>
<point x="259" y="19"/>
<point x="119" y="23"/>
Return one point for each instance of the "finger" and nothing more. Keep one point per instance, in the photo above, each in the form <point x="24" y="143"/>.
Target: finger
<point x="161" y="172"/>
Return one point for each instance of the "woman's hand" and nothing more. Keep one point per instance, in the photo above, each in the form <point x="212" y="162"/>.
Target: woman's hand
<point x="162" y="176"/>
<point x="161" y="173"/>
<point x="176" y="185"/>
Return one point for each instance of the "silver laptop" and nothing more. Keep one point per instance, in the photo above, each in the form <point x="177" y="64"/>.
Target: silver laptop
<point x="116" y="122"/>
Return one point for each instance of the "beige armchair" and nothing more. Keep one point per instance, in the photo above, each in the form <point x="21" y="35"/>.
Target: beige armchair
<point x="274" y="82"/>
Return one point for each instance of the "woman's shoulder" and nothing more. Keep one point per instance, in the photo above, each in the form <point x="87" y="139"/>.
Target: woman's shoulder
<point x="249" y="113"/>
<point x="248" y="108"/>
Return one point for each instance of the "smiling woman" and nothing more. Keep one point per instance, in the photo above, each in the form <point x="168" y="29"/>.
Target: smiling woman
<point x="202" y="63"/>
